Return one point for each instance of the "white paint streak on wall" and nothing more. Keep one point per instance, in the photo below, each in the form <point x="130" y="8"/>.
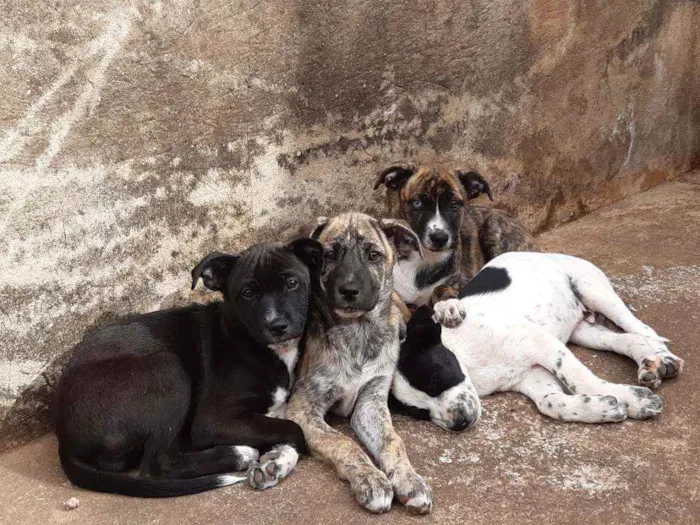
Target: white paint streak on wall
<point x="632" y="134"/>
<point x="12" y="142"/>
<point x="107" y="44"/>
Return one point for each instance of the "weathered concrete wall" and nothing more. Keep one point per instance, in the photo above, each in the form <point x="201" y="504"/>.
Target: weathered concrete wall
<point x="134" y="138"/>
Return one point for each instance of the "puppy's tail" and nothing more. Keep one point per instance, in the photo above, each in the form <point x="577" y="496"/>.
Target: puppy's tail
<point x="88" y="477"/>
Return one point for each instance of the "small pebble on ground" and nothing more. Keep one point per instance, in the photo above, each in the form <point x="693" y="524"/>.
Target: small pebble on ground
<point x="71" y="504"/>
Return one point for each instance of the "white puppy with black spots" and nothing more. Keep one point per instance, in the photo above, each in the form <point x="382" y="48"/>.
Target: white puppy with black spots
<point x="508" y="332"/>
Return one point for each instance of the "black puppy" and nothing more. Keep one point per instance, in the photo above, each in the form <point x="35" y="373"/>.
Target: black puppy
<point x="187" y="394"/>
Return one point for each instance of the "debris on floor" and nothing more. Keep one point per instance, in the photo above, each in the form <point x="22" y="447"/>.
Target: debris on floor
<point x="71" y="504"/>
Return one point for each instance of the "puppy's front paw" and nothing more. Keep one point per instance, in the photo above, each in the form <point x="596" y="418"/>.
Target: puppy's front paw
<point x="273" y="467"/>
<point x="449" y="313"/>
<point x="373" y="491"/>
<point x="412" y="490"/>
<point x="657" y="367"/>
<point x="245" y="456"/>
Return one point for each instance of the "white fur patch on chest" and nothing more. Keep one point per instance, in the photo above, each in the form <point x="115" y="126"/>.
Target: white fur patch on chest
<point x="288" y="352"/>
<point x="406" y="270"/>
<point x="279" y="403"/>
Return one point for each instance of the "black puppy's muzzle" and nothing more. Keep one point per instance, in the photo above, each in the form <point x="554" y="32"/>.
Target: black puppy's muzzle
<point x="278" y="323"/>
<point x="279" y="330"/>
<point x="277" y="327"/>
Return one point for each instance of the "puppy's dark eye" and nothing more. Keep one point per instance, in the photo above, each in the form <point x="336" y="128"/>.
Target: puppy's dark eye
<point x="374" y="255"/>
<point x="455" y="204"/>
<point x="292" y="283"/>
<point x="247" y="293"/>
<point x="417" y="204"/>
<point x="329" y="255"/>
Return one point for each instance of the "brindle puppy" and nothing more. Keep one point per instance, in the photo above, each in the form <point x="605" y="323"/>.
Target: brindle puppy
<point x="457" y="238"/>
<point x="351" y="352"/>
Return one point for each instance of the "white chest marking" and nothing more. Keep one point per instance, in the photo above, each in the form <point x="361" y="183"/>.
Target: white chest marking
<point x="279" y="403"/>
<point x="288" y="352"/>
<point x="405" y="271"/>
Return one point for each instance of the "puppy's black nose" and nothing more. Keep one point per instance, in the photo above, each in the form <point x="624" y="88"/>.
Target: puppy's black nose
<point x="349" y="291"/>
<point x="277" y="327"/>
<point x="439" y="238"/>
<point x="463" y="422"/>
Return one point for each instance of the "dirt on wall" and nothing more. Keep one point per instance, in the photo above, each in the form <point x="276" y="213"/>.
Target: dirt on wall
<point x="135" y="137"/>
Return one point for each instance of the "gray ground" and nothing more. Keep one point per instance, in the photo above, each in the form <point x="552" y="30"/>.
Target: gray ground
<point x="515" y="465"/>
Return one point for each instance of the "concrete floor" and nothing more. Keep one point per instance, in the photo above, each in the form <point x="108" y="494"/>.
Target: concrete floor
<point x="515" y="466"/>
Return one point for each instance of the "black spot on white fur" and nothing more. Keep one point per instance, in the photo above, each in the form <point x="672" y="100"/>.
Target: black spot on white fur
<point x="488" y="280"/>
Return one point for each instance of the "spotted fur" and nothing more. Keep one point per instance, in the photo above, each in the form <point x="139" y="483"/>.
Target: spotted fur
<point x="350" y="354"/>
<point x="515" y="318"/>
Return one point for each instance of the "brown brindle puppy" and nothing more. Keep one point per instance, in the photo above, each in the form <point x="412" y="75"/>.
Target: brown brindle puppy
<point x="457" y="238"/>
<point x="351" y="351"/>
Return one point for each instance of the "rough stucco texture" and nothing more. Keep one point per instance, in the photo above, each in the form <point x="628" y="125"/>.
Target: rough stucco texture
<point x="135" y="138"/>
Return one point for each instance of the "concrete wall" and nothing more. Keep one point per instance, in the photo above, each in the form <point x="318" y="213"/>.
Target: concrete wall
<point x="135" y="138"/>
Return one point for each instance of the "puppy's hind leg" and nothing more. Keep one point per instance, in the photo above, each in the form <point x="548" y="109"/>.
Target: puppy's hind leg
<point x="552" y="354"/>
<point x="280" y="440"/>
<point x="221" y="459"/>
<point x="594" y="290"/>
<point x="544" y="389"/>
<point x="655" y="361"/>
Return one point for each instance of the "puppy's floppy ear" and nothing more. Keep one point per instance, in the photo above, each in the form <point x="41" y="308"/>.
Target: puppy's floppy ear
<point x="309" y="251"/>
<point x="395" y="176"/>
<point x="317" y="226"/>
<point x="310" y="230"/>
<point x="214" y="269"/>
<point x="399" y="232"/>
<point x="474" y="183"/>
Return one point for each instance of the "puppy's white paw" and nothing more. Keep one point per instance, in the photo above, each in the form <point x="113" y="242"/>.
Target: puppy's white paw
<point x="373" y="491"/>
<point x="412" y="490"/>
<point x="449" y="313"/>
<point x="273" y="467"/>
<point x="247" y="456"/>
